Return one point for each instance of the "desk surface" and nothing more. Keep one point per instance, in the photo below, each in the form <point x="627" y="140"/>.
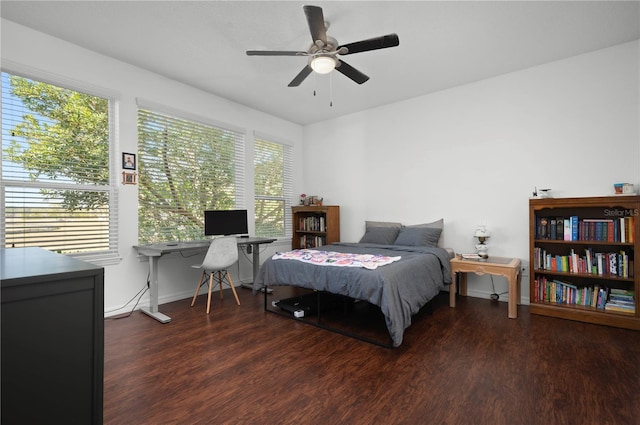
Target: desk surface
<point x="167" y="247"/>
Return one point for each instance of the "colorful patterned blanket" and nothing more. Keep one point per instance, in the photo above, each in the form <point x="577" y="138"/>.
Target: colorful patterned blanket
<point x="339" y="259"/>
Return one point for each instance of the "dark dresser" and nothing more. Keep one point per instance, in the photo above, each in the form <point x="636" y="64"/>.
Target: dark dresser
<point x="52" y="340"/>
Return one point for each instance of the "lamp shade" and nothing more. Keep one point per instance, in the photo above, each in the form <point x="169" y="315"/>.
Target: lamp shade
<point x="323" y="64"/>
<point x="481" y="232"/>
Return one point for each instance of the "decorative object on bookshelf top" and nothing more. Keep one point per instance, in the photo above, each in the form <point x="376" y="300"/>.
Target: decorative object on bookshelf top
<point x="623" y="189"/>
<point x="541" y="193"/>
<point x="315" y="200"/>
<point x="310" y="200"/>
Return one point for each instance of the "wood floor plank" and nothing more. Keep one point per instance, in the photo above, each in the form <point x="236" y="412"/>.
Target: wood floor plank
<point x="467" y="365"/>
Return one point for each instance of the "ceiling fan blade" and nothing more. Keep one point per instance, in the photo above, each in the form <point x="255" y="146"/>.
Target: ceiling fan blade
<point x="275" y="53"/>
<point x="351" y="72"/>
<point x="301" y="76"/>
<point x="315" y="19"/>
<point x="382" y="42"/>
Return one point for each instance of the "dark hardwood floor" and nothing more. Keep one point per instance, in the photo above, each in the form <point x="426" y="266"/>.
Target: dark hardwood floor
<point x="468" y="365"/>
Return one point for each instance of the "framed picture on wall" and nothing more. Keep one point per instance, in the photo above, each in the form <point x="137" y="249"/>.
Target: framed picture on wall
<point x="128" y="177"/>
<point x="128" y="161"/>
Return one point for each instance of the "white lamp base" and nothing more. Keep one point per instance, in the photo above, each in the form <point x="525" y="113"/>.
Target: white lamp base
<point x="482" y="250"/>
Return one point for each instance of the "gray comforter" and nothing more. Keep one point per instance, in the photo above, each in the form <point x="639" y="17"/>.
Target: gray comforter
<point x="400" y="289"/>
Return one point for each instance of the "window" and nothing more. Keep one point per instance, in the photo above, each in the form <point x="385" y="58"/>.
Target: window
<point x="185" y="167"/>
<point x="58" y="191"/>
<point x="272" y="163"/>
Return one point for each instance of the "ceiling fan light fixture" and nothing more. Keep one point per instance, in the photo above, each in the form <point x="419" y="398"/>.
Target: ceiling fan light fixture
<point x="323" y="64"/>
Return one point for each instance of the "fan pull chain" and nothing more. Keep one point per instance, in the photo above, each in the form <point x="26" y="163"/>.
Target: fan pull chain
<point x="315" y="83"/>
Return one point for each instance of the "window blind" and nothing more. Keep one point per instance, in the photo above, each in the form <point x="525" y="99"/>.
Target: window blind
<point x="185" y="168"/>
<point x="273" y="181"/>
<point x="57" y="188"/>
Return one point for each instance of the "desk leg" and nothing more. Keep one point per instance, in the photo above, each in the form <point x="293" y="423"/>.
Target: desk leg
<point x="152" y="310"/>
<point x="256" y="261"/>
<point x="256" y="267"/>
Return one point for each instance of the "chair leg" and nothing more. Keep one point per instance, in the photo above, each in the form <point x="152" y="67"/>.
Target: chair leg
<point x="198" y="288"/>
<point x="233" y="288"/>
<point x="209" y="297"/>
<point x="220" y="282"/>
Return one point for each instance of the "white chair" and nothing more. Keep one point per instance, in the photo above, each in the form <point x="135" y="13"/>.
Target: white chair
<point x="222" y="253"/>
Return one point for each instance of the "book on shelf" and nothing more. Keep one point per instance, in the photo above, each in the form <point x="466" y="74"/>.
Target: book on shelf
<point x="623" y="292"/>
<point x="559" y="228"/>
<point x="542" y="228"/>
<point x="567" y="229"/>
<point x="575" y="235"/>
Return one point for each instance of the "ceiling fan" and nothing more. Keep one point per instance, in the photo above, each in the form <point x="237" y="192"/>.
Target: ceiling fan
<point x="324" y="49"/>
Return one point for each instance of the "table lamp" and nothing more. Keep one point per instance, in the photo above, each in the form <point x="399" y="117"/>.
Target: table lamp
<point x="482" y="234"/>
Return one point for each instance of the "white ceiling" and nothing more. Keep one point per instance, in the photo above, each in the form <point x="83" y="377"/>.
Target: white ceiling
<point x="443" y="44"/>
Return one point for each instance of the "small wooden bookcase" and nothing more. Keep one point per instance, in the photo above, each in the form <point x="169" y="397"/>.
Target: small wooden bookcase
<point x="583" y="250"/>
<point x="315" y="226"/>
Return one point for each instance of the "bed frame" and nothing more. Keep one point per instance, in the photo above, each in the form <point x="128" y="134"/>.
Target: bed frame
<point x="314" y="299"/>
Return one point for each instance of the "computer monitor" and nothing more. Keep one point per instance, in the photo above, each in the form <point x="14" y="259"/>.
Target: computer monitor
<point x="225" y="222"/>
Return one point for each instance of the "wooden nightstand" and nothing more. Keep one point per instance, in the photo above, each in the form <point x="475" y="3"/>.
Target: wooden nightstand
<point x="500" y="266"/>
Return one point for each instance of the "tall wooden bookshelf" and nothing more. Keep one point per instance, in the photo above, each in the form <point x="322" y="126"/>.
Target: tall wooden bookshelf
<point x="582" y="258"/>
<point x="315" y="226"/>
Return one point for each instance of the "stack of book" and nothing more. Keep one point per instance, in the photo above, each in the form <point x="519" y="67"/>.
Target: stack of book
<point x="621" y="300"/>
<point x="559" y="292"/>
<point x="617" y="264"/>
<point x="619" y="229"/>
<point x="310" y="241"/>
<point x="312" y="224"/>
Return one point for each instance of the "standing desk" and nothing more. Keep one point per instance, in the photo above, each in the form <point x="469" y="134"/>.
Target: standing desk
<point x="155" y="251"/>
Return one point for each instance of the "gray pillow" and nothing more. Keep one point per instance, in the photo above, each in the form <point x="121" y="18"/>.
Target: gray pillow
<point x="381" y="232"/>
<point x="418" y="236"/>
<point x="380" y="235"/>
<point x="383" y="224"/>
<point x="438" y="224"/>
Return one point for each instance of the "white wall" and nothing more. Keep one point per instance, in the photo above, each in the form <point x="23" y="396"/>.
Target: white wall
<point x="45" y="57"/>
<point x="473" y="154"/>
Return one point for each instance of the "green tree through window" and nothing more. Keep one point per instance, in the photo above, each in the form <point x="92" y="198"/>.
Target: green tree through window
<point x="272" y="185"/>
<point x="55" y="168"/>
<point x="185" y="168"/>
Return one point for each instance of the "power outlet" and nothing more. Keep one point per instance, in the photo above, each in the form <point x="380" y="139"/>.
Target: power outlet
<point x="524" y="269"/>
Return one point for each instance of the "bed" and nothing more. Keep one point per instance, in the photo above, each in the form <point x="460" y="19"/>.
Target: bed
<point x="400" y="288"/>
